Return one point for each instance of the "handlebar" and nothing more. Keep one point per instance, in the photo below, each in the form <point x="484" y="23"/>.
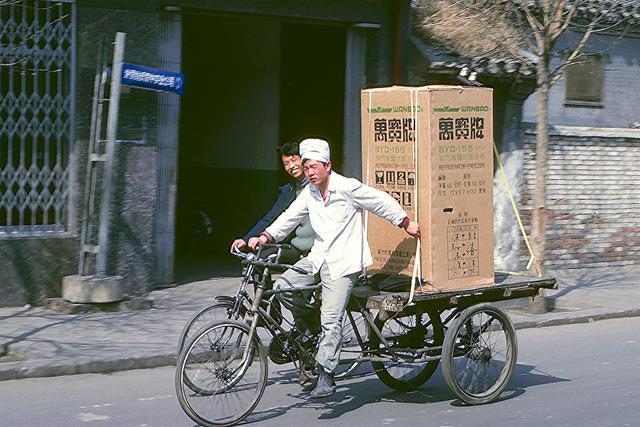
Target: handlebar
<point x="251" y="258"/>
<point x="277" y="246"/>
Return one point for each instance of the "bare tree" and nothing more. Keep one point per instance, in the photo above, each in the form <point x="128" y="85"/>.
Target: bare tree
<point x="527" y="31"/>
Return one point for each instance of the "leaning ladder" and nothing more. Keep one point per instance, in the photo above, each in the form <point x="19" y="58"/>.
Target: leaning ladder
<point x="95" y="226"/>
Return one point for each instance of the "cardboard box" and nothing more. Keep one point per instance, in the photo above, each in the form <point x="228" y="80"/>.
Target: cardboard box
<point x="431" y="148"/>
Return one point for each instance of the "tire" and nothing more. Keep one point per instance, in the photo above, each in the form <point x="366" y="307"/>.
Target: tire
<point x="479" y="354"/>
<point x="221" y="374"/>
<point x="217" y="311"/>
<point x="402" y="332"/>
<point x="351" y="348"/>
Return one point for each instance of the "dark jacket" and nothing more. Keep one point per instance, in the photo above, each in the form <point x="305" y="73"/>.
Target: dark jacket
<point x="286" y="196"/>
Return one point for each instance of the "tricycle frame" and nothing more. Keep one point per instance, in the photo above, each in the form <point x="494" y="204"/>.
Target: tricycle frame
<point x="411" y="337"/>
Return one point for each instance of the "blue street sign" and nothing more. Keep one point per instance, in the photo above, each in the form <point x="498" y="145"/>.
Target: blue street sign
<point x="151" y="78"/>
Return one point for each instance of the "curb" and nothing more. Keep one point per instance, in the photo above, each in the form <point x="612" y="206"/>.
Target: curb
<point x="51" y="367"/>
<point x="588" y="316"/>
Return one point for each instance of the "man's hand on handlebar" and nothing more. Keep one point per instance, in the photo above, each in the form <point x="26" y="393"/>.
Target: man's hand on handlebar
<point x="254" y="242"/>
<point x="266" y="261"/>
<point x="263" y="238"/>
<point x="239" y="244"/>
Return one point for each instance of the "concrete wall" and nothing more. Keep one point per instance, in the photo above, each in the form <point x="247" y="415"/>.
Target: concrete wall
<point x="131" y="245"/>
<point x="593" y="197"/>
<point x="32" y="268"/>
<point x="621" y="86"/>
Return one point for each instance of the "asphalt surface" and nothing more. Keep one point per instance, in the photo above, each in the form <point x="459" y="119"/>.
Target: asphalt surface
<point x="40" y="342"/>
<point x="582" y="375"/>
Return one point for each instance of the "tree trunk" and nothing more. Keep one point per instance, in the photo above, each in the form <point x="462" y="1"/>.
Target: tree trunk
<point x="538" y="228"/>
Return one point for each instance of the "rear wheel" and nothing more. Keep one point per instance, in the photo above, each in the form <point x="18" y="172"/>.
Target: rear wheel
<point x="406" y="335"/>
<point x="351" y="349"/>
<point x="479" y="354"/>
<point x="221" y="374"/>
<point x="222" y="309"/>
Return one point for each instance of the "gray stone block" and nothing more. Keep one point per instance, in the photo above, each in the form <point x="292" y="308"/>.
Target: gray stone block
<point x="89" y="289"/>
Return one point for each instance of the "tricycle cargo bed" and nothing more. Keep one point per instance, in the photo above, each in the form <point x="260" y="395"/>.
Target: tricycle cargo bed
<point x="507" y="286"/>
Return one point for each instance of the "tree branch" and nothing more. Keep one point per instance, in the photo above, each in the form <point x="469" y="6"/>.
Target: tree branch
<point x="556" y="74"/>
<point x="526" y="38"/>
<point x="567" y="18"/>
<point x="535" y="25"/>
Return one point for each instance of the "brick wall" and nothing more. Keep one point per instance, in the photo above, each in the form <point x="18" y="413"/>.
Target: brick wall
<point x="593" y="196"/>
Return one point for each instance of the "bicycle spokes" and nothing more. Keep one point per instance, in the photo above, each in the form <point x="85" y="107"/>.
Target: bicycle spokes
<point x="222" y="374"/>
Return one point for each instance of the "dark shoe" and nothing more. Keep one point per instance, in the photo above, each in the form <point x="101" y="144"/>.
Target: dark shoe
<point x="326" y="385"/>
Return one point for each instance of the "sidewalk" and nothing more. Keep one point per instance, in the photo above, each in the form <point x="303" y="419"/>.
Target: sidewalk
<point x="43" y="342"/>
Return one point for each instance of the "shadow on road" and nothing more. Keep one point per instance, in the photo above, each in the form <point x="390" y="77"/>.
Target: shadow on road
<point x="605" y="278"/>
<point x="14" y="339"/>
<point x="368" y="389"/>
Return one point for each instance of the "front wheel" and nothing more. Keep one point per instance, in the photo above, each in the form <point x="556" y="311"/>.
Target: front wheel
<point x="221" y="374"/>
<point x="412" y="338"/>
<point x="479" y="354"/>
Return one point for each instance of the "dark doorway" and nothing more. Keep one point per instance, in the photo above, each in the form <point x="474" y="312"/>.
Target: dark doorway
<point x="275" y="83"/>
<point x="312" y="89"/>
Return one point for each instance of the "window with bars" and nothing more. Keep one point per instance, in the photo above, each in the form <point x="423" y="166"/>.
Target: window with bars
<point x="36" y="78"/>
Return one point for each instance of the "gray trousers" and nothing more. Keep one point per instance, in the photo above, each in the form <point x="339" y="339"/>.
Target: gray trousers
<point x="335" y="296"/>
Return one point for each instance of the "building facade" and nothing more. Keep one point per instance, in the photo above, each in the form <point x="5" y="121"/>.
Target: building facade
<point x="257" y="74"/>
<point x="193" y="172"/>
<point x="592" y="205"/>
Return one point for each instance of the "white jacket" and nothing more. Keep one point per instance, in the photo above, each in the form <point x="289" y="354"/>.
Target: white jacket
<point x="337" y="222"/>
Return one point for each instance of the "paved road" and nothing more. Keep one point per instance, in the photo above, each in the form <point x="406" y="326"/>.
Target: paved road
<point x="572" y="375"/>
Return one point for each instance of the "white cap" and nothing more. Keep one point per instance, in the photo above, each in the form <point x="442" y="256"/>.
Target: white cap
<point x="315" y="149"/>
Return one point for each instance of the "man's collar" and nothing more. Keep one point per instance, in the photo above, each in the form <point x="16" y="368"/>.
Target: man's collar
<point x="332" y="182"/>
